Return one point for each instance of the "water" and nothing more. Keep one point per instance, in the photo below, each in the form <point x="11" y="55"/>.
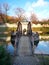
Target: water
<point x="42" y="48"/>
<point x="10" y="49"/>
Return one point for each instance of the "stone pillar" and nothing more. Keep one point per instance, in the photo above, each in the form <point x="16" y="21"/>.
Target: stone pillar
<point x="29" y="30"/>
<point x="19" y="28"/>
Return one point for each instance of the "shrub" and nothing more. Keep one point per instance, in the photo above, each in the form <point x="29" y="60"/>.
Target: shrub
<point x="5" y="58"/>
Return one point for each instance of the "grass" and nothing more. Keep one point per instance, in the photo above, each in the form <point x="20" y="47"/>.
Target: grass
<point x="44" y="39"/>
<point x="44" y="34"/>
<point x="44" y="60"/>
<point x="3" y="29"/>
<point x="43" y="29"/>
<point x="5" y="35"/>
<point x="7" y="29"/>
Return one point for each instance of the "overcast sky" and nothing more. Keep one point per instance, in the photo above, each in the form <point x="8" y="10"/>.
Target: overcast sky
<point x="39" y="7"/>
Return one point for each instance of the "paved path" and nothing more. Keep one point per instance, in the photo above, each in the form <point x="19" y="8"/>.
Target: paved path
<point x="24" y="47"/>
<point x="25" y="56"/>
<point x="26" y="60"/>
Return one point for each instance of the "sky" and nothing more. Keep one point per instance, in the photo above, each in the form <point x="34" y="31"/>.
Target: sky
<point x="38" y="7"/>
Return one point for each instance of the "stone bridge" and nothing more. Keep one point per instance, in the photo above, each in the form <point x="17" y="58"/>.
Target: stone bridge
<point x="24" y="53"/>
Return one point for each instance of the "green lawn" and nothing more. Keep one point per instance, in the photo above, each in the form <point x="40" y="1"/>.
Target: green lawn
<point x="5" y="35"/>
<point x="3" y="29"/>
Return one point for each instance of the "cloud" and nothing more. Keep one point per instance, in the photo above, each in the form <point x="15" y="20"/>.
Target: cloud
<point x="40" y="3"/>
<point x="28" y="6"/>
<point x="40" y="8"/>
<point x="43" y="14"/>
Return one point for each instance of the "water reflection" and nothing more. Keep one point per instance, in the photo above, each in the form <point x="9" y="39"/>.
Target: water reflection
<point x="42" y="48"/>
<point x="10" y="49"/>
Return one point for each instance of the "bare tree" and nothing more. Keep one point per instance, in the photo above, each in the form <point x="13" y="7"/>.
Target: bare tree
<point x="20" y="13"/>
<point x="33" y="17"/>
<point x="6" y="9"/>
<point x="1" y="14"/>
